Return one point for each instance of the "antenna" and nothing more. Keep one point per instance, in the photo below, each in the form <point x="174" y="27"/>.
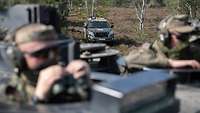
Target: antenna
<point x="93" y="3"/>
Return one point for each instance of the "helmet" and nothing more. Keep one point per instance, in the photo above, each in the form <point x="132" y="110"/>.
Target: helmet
<point x="176" y="23"/>
<point x="24" y="34"/>
<point x="33" y="32"/>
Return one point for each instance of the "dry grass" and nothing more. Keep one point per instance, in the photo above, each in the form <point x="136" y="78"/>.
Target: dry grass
<point x="126" y="22"/>
<point x="126" y="25"/>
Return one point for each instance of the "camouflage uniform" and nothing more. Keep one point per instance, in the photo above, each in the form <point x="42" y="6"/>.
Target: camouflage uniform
<point x="18" y="89"/>
<point x="157" y="54"/>
<point x="21" y="90"/>
<point x="21" y="87"/>
<point x="141" y="57"/>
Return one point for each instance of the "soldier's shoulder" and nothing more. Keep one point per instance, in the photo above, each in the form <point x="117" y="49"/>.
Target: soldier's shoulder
<point x="157" y="45"/>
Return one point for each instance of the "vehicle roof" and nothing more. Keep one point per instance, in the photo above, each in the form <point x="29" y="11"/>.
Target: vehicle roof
<point x="96" y="19"/>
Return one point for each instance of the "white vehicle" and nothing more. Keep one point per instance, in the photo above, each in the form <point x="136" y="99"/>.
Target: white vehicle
<point x="98" y="29"/>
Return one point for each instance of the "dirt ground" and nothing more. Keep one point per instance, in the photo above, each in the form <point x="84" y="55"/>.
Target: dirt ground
<point x="126" y="22"/>
<point x="125" y="25"/>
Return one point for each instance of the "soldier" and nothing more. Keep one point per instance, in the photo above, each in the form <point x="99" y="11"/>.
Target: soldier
<point x="171" y="51"/>
<point x="38" y="71"/>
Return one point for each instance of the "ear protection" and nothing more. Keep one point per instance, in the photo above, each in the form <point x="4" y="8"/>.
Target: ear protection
<point x="14" y="54"/>
<point x="164" y="36"/>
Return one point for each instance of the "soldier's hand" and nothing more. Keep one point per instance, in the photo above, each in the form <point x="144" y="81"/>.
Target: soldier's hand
<point x="194" y="64"/>
<point x="184" y="63"/>
<point x="47" y="78"/>
<point x="78" y="68"/>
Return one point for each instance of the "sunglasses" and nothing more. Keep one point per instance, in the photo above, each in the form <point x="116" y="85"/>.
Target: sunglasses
<point x="42" y="53"/>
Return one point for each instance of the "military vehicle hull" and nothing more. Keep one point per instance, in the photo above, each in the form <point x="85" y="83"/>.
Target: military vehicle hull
<point x="188" y="95"/>
<point x="165" y="105"/>
<point x="189" y="98"/>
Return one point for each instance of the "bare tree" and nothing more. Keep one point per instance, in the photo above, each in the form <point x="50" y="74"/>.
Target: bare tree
<point x="86" y="8"/>
<point x="93" y="7"/>
<point x="140" y="6"/>
<point x="190" y="7"/>
<point x="70" y="5"/>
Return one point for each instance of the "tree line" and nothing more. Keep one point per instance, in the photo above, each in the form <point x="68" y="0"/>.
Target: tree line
<point x="191" y="7"/>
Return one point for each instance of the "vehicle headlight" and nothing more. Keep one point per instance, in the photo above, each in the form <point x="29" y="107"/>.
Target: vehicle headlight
<point x="111" y="34"/>
<point x="91" y="34"/>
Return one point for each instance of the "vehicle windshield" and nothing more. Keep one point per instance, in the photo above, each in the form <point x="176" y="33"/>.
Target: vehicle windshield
<point x="98" y="24"/>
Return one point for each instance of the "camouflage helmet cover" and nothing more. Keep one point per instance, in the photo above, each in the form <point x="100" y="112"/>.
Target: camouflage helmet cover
<point x="35" y="32"/>
<point x="177" y="23"/>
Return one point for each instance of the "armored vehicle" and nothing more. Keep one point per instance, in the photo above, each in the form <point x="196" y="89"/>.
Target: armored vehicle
<point x="98" y="29"/>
